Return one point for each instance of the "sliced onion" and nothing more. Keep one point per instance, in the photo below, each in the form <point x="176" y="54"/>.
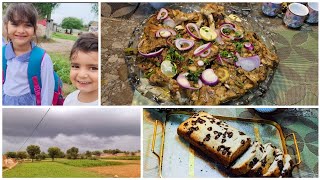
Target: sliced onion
<point x="208" y="77"/>
<point x="206" y="53"/>
<point x="149" y="55"/>
<point x="193" y="25"/>
<point x="219" y="59"/>
<point x="249" y="46"/>
<point x="219" y="39"/>
<point x="179" y="42"/>
<point x="183" y="82"/>
<point x="229" y="36"/>
<point x="202" y="49"/>
<point x="228" y="24"/>
<point x="165" y="33"/>
<point x="228" y="60"/>
<point x="163" y="14"/>
<point x="169" y="22"/>
<point x="248" y="63"/>
<point x="200" y="63"/>
<point x="173" y="32"/>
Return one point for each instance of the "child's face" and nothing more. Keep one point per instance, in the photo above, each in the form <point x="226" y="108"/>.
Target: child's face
<point x="84" y="71"/>
<point x="20" y="34"/>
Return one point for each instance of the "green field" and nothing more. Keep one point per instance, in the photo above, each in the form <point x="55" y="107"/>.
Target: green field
<point x="123" y="158"/>
<point x="47" y="169"/>
<point x="87" y="163"/>
<point x="64" y="36"/>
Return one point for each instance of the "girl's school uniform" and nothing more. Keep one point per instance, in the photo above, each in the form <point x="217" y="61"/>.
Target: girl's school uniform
<point x="16" y="90"/>
<point x="72" y="100"/>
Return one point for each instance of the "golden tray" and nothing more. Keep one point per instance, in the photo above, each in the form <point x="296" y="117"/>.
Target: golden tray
<point x="178" y="159"/>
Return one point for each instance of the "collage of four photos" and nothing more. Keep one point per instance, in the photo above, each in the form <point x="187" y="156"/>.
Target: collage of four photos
<point x="160" y="90"/>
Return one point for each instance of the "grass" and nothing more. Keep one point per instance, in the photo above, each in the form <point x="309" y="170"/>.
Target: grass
<point x="87" y="163"/>
<point x="64" y="36"/>
<point x="61" y="65"/>
<point x="47" y="169"/>
<point x="123" y="158"/>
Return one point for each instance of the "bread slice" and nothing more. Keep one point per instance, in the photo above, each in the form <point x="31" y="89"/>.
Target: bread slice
<point x="277" y="165"/>
<point x="214" y="137"/>
<point x="248" y="159"/>
<point x="287" y="167"/>
<point x="264" y="163"/>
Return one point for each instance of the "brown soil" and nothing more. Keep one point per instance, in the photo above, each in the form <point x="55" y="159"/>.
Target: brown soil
<point x="130" y="170"/>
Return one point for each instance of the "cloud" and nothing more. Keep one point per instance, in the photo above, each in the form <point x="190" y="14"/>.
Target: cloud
<point x="85" y="128"/>
<point x="84" y="142"/>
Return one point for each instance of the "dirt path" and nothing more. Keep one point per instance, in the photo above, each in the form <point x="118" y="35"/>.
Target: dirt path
<point x="131" y="170"/>
<point x="60" y="45"/>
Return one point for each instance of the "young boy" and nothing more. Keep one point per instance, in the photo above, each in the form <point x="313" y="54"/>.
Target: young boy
<point x="84" y="71"/>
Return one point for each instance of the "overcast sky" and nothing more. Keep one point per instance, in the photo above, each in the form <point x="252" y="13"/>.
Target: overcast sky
<point x="85" y="128"/>
<point x="78" y="10"/>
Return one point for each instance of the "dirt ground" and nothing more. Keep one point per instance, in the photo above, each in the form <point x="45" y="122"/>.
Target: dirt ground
<point x="60" y="45"/>
<point x="130" y="170"/>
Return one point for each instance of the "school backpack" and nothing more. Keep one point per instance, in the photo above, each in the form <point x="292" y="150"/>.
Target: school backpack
<point x="34" y="76"/>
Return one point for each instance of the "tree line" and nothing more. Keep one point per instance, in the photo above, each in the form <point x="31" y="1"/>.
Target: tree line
<point x="34" y="152"/>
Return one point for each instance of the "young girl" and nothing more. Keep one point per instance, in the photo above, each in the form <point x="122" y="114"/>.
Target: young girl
<point x="84" y="71"/>
<point x="20" y="22"/>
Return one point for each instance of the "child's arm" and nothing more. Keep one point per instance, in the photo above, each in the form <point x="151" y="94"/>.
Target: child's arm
<point x="47" y="81"/>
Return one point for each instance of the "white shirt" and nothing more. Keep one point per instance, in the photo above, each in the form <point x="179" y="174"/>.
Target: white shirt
<point x="72" y="100"/>
<point x="17" y="84"/>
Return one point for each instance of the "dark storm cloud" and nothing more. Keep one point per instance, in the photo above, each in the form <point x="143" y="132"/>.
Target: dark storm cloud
<point x="85" y="128"/>
<point x="100" y="122"/>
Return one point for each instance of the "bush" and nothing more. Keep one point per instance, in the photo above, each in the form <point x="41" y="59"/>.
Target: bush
<point x="61" y="65"/>
<point x="93" y="158"/>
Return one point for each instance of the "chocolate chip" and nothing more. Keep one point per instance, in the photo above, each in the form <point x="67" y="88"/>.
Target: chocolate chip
<point x="224" y="152"/>
<point x="259" y="171"/>
<point x="280" y="165"/>
<point x="230" y="134"/>
<point x="209" y="128"/>
<point x="218" y="123"/>
<point x="219" y="147"/>
<point x="229" y="153"/>
<point x="242" y="141"/>
<point x="194" y="122"/>
<point x="215" y="132"/>
<point x="261" y="148"/>
<point x="207" y="138"/>
<point x="264" y="162"/>
<point x="241" y="133"/>
<point x="223" y="141"/>
<point x="255" y="160"/>
<point x="251" y="164"/>
<point x="185" y="124"/>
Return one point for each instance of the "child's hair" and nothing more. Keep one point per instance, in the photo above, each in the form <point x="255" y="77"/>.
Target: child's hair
<point x="86" y="42"/>
<point x="21" y="13"/>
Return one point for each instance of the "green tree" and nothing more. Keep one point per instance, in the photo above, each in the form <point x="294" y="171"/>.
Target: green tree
<point x="96" y="153"/>
<point x="88" y="154"/>
<point x="54" y="152"/>
<point x="22" y="155"/>
<point x="33" y="150"/>
<point x="45" y="10"/>
<point x="95" y="8"/>
<point x="72" y="153"/>
<point x="71" y="23"/>
<point x="11" y="154"/>
<point x="41" y="156"/>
